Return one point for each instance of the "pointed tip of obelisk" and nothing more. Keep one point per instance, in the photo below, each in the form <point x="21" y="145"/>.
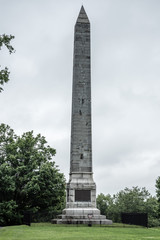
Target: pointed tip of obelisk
<point x="82" y="17"/>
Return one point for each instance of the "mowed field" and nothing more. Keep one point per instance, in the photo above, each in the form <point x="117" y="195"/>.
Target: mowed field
<point x="47" y="231"/>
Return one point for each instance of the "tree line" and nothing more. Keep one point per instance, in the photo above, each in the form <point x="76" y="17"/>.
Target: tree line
<point x="131" y="200"/>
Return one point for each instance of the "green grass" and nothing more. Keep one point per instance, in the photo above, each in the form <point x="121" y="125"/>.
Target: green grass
<point x="48" y="231"/>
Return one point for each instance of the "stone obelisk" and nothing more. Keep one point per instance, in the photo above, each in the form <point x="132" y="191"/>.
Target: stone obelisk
<point x="81" y="189"/>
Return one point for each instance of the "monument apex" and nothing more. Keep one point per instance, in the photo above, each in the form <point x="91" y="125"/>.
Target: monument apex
<point x="82" y="17"/>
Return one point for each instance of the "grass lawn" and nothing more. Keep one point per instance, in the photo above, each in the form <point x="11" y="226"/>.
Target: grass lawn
<point x="41" y="231"/>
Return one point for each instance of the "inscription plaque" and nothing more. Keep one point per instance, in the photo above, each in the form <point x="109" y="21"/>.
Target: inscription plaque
<point x="67" y="195"/>
<point x="82" y="195"/>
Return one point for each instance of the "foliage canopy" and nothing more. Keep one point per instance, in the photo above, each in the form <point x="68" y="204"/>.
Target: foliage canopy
<point x="29" y="178"/>
<point x="134" y="200"/>
<point x="158" y="193"/>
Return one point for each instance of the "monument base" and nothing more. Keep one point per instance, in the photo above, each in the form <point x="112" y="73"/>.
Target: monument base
<point x="81" y="216"/>
<point x="81" y="202"/>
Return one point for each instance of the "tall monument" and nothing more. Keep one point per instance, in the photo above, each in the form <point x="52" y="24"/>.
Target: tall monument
<point x="81" y="188"/>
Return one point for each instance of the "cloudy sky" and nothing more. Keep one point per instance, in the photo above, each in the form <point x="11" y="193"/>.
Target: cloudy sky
<point x="125" y="42"/>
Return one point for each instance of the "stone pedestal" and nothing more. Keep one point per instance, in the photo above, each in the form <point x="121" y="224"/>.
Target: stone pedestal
<point x="81" y="202"/>
<point x="81" y="191"/>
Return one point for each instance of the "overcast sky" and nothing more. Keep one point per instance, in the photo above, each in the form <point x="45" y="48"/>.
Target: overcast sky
<point x="125" y="56"/>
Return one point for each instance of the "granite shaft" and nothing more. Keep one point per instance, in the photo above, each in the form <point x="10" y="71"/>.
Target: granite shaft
<point x="81" y="132"/>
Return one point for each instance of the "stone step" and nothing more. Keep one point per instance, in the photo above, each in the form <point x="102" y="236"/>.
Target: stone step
<point x="82" y="217"/>
<point x="82" y="221"/>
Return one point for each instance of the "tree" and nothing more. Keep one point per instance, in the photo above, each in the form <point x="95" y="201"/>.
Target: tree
<point x="105" y="205"/>
<point x="29" y="178"/>
<point x="134" y="200"/>
<point x="102" y="203"/>
<point x="151" y="207"/>
<point x="158" y="193"/>
<point x="4" y="73"/>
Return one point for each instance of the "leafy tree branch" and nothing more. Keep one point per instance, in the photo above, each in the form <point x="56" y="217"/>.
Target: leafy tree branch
<point x="4" y="73"/>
